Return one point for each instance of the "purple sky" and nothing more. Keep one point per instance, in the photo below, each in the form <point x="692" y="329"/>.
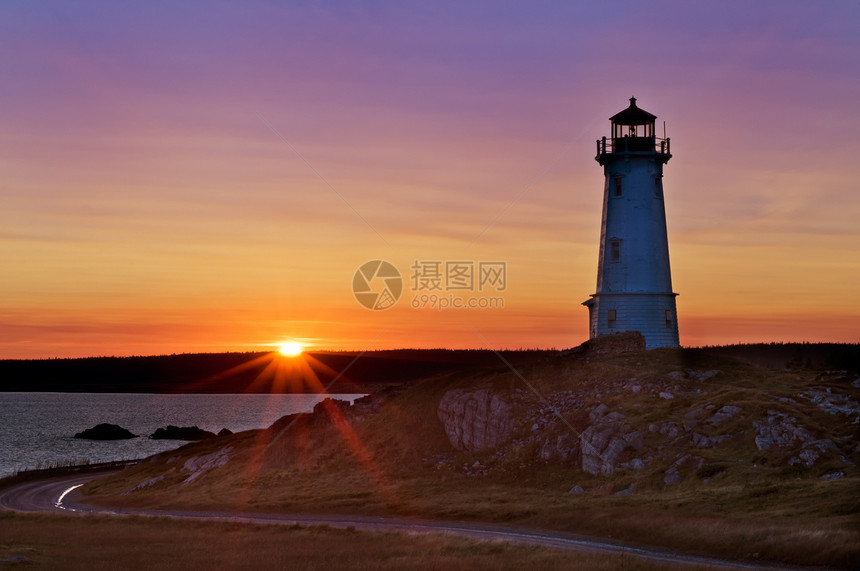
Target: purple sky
<point x="147" y="205"/>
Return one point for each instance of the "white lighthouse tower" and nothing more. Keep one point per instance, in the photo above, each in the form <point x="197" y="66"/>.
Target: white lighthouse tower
<point x="634" y="282"/>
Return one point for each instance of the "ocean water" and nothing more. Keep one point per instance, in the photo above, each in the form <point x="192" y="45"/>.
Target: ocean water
<point x="37" y="429"/>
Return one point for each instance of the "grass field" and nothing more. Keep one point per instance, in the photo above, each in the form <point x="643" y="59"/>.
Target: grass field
<point x="94" y="543"/>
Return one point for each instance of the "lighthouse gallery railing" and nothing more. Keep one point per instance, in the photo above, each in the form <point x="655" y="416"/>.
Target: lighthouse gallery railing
<point x="633" y="145"/>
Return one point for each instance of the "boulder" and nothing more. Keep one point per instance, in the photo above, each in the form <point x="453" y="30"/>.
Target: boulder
<point x="814" y="450"/>
<point x="106" y="431"/>
<point x="780" y="431"/>
<point x="600" y="446"/>
<point x="181" y="433"/>
<point x="475" y="420"/>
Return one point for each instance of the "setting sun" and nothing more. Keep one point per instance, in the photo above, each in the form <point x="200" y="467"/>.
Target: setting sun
<point x="290" y="349"/>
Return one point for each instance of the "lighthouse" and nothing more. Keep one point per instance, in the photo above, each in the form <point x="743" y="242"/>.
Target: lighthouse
<point x="634" y="282"/>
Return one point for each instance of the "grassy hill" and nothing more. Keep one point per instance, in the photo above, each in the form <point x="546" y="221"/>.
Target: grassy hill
<point x="714" y="456"/>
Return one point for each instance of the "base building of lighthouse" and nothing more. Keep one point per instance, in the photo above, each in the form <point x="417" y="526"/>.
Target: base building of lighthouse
<point x="634" y="282"/>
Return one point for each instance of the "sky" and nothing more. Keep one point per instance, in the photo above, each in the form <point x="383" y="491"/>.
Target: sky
<point x="208" y="176"/>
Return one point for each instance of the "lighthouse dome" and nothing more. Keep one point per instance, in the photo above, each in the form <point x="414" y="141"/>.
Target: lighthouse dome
<point x="633" y="115"/>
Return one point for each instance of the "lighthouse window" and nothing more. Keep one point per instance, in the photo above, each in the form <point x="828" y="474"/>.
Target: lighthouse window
<point x="668" y="318"/>
<point x="616" y="250"/>
<point x="611" y="315"/>
<point x="658" y="187"/>
<point x="618" y="186"/>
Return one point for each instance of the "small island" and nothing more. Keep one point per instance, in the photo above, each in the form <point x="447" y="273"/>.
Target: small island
<point x="106" y="431"/>
<point x="181" y="433"/>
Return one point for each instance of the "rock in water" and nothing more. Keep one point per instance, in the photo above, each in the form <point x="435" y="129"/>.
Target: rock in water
<point x="181" y="433"/>
<point x="105" y="431"/>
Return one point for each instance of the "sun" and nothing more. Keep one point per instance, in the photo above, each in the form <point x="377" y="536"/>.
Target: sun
<point x="290" y="349"/>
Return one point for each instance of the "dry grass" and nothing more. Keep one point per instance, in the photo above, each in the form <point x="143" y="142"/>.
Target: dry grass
<point x="94" y="543"/>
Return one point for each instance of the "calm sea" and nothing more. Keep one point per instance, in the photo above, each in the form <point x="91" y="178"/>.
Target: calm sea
<point x="37" y="429"/>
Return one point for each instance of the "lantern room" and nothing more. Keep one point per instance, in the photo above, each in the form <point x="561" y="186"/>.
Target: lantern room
<point x="633" y="131"/>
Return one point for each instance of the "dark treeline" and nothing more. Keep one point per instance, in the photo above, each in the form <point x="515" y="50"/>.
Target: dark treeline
<point x="839" y="356"/>
<point x="240" y="372"/>
<point x="369" y="372"/>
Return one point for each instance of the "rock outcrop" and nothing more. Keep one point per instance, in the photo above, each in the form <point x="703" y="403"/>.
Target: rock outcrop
<point x="780" y="431"/>
<point x="145" y="484"/>
<point x="834" y="403"/>
<point x="603" y="442"/>
<point x="181" y="433"/>
<point x="199" y="465"/>
<point x="614" y="344"/>
<point x="105" y="431"/>
<point x="193" y="468"/>
<point x="569" y="427"/>
<point x="475" y="420"/>
<point x="780" y="435"/>
<point x="601" y="445"/>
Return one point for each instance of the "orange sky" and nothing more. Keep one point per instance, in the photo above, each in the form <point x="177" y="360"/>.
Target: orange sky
<point x="177" y="179"/>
